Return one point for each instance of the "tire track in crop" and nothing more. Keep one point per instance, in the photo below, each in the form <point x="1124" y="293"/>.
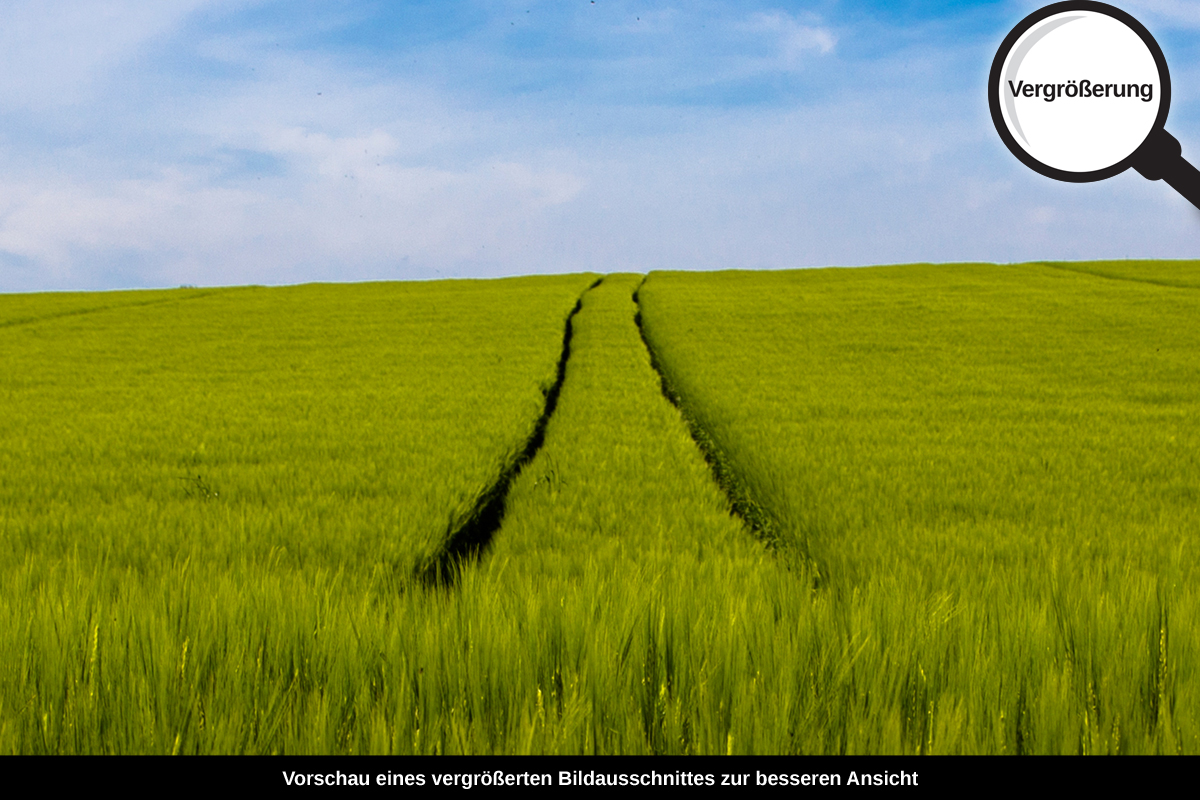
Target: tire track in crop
<point x="470" y="537"/>
<point x="760" y="522"/>
<point x="12" y="323"/>
<point x="1066" y="267"/>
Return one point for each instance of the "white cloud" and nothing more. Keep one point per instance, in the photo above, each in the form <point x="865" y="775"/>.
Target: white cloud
<point x="791" y="39"/>
<point x="61" y="48"/>
<point x="340" y="210"/>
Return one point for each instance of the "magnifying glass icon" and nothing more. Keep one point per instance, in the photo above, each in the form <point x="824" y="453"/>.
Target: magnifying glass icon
<point x="1079" y="91"/>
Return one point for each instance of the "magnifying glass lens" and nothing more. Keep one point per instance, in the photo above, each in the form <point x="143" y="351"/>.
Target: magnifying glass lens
<point x="1077" y="92"/>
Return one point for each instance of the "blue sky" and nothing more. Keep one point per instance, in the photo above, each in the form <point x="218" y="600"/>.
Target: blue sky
<point x="221" y="142"/>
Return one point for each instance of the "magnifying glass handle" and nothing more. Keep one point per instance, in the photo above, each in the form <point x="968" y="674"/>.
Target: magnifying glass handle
<point x="1161" y="158"/>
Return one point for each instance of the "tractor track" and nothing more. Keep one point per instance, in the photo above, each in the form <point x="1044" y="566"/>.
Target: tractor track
<point x="12" y="323"/>
<point x="470" y="536"/>
<point x="759" y="521"/>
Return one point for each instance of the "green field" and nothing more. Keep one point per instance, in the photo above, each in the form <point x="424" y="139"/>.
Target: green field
<point x="946" y="509"/>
